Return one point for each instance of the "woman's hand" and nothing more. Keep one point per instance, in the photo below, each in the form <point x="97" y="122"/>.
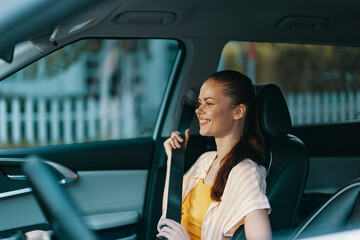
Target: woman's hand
<point x="172" y="230"/>
<point x="37" y="235"/>
<point x="174" y="142"/>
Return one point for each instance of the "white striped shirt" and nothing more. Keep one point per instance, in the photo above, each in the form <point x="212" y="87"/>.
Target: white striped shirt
<point x="245" y="191"/>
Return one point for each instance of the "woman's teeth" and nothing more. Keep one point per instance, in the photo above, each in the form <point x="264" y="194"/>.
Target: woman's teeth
<point x="204" y="121"/>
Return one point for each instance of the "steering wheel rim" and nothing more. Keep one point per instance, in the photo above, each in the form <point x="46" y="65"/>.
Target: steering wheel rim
<point x="59" y="209"/>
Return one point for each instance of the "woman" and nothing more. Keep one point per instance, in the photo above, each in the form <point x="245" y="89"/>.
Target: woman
<point x="226" y="188"/>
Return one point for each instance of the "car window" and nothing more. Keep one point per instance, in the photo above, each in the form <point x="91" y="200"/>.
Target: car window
<point x="91" y="90"/>
<point x="321" y="84"/>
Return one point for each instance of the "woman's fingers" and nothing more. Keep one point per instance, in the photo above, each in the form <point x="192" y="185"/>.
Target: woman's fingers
<point x="175" y="140"/>
<point x="167" y="233"/>
<point x="175" y="143"/>
<point x="168" y="222"/>
<point x="172" y="230"/>
<point x="38" y="235"/>
<point x="177" y="136"/>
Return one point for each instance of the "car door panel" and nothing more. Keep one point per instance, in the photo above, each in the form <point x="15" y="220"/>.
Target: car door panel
<point x="106" y="155"/>
<point x="334" y="155"/>
<point x="111" y="200"/>
<point x="328" y="174"/>
<point x="29" y="211"/>
<point x="99" y="192"/>
<point x="334" y="161"/>
<point x="100" y="196"/>
<point x="110" y="189"/>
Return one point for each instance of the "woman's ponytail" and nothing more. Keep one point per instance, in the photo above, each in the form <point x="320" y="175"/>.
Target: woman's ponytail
<point x="251" y="144"/>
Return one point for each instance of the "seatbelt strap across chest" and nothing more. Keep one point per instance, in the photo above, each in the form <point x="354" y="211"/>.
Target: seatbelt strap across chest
<point x="178" y="159"/>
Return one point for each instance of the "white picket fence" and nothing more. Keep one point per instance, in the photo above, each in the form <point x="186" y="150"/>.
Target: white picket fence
<point x="39" y="122"/>
<point x="323" y="107"/>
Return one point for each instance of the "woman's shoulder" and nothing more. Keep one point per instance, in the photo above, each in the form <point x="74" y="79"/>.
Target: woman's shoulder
<point x="206" y="157"/>
<point x="248" y="165"/>
<point x="248" y="171"/>
<point x="209" y="154"/>
<point x="201" y="164"/>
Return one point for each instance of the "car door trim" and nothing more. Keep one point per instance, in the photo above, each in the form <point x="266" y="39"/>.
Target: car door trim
<point x="15" y="192"/>
<point x="168" y="92"/>
<point x="17" y="177"/>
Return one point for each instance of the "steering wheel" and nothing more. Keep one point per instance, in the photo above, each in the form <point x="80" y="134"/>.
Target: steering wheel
<point x="59" y="209"/>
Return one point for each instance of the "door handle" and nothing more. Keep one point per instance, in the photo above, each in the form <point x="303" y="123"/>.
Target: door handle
<point x="66" y="176"/>
<point x="17" y="177"/>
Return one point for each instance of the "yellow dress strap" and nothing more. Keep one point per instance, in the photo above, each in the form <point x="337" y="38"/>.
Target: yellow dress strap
<point x="194" y="209"/>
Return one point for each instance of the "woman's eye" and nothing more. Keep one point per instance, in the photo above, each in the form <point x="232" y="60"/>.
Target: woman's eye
<point x="205" y="104"/>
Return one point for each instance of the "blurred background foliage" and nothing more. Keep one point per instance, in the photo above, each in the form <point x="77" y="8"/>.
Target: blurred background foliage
<point x="320" y="68"/>
<point x="59" y="61"/>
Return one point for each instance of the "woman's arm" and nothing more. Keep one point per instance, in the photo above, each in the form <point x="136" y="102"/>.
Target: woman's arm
<point x="257" y="225"/>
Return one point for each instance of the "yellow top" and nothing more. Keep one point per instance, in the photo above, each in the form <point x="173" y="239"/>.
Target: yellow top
<point x="194" y="209"/>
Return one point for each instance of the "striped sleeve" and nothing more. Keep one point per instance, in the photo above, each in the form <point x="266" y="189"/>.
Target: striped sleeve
<point x="245" y="192"/>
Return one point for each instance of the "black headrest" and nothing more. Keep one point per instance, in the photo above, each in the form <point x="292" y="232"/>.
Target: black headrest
<point x="274" y="116"/>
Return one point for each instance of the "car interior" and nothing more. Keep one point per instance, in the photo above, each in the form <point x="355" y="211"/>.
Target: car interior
<point x="92" y="89"/>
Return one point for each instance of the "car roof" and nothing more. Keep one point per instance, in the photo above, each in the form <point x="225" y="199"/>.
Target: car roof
<point x="260" y="20"/>
<point x="308" y="22"/>
<point x="301" y="21"/>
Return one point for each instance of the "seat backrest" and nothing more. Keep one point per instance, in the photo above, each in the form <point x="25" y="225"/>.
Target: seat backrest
<point x="287" y="157"/>
<point x="341" y="212"/>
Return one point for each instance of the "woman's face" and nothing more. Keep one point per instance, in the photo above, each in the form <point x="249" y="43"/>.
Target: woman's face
<point x="215" y="113"/>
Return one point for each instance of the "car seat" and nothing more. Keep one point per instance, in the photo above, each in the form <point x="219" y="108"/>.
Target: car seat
<point x="287" y="156"/>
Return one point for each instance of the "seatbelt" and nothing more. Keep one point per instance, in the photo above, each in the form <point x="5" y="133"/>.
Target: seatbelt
<point x="178" y="158"/>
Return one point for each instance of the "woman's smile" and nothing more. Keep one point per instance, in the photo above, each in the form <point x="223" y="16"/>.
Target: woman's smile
<point x="203" y="122"/>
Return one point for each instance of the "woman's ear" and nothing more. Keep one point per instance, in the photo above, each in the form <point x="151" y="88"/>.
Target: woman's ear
<point x="239" y="111"/>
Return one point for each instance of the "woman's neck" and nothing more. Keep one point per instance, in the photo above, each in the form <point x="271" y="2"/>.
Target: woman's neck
<point x="225" y="144"/>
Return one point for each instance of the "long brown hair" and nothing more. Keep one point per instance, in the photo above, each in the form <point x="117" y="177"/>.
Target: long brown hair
<point x="240" y="89"/>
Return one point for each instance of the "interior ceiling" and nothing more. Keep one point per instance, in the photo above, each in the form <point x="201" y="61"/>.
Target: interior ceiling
<point x="303" y="21"/>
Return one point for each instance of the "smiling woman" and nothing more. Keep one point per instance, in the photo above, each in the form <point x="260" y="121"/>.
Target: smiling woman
<point x="98" y="86"/>
<point x="224" y="189"/>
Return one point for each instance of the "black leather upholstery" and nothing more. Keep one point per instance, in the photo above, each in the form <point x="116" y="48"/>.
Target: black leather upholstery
<point x="274" y="116"/>
<point x="288" y="160"/>
<point x="287" y="157"/>
<point x="341" y="212"/>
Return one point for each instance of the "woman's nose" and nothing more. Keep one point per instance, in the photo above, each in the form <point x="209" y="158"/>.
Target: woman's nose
<point x="198" y="110"/>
